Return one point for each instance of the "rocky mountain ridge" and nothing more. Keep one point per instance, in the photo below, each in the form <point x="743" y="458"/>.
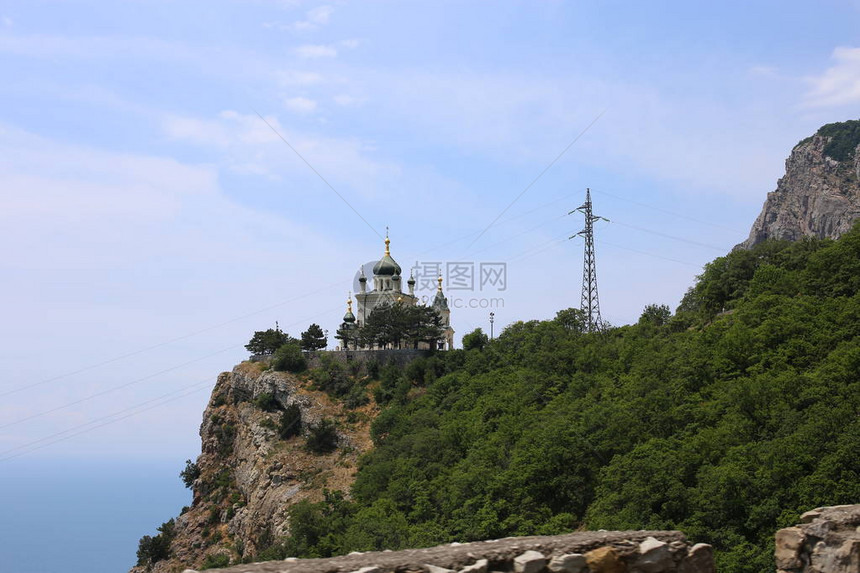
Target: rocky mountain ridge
<point x="819" y="195"/>
<point x="254" y="466"/>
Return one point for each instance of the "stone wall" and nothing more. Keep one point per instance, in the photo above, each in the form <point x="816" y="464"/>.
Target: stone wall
<point x="400" y="357"/>
<point x="827" y="540"/>
<point x="584" y="552"/>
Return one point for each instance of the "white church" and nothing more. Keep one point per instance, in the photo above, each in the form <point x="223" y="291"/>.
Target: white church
<point x="387" y="289"/>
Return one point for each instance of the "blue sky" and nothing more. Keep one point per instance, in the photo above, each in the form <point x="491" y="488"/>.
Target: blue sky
<point x="153" y="221"/>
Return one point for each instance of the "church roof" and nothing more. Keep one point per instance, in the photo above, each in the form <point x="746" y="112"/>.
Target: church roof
<point x="386" y="266"/>
<point x="349" y="317"/>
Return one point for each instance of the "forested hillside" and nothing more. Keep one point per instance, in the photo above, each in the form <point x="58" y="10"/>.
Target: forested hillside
<point x="725" y="420"/>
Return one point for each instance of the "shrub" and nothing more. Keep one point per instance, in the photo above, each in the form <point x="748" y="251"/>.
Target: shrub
<point x="289" y="358"/>
<point x="189" y="474"/>
<point x="216" y="560"/>
<point x="290" y="423"/>
<point x="373" y="367"/>
<point x="332" y="378"/>
<point x="266" y="402"/>
<point x="356" y="397"/>
<point x="226" y="435"/>
<point x="322" y="438"/>
<point x="151" y="550"/>
<point x="844" y="138"/>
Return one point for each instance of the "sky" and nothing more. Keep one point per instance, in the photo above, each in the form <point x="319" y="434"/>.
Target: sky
<point x="177" y="175"/>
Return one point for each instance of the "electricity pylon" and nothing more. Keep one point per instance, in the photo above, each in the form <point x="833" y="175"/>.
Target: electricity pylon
<point x="590" y="305"/>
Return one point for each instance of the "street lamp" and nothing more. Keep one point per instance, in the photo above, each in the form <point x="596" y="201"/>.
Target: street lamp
<point x="492" y="318"/>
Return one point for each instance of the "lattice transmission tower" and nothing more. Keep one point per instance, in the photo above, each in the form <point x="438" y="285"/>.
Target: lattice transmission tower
<point x="590" y="304"/>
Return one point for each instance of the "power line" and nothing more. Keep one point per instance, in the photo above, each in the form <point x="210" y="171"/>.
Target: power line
<point x="143" y="379"/>
<point x="535" y="180"/>
<point x="342" y="198"/>
<point x="668" y="212"/>
<point x="93" y="424"/>
<point x="114" y="388"/>
<point x="88" y="426"/>
<point x="650" y="254"/>
<point x="673" y="237"/>
<point x="166" y="342"/>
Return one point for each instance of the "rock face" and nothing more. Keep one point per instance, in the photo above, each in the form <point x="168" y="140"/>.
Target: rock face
<point x="250" y="475"/>
<point x="826" y="541"/>
<point x="584" y="552"/>
<point x="819" y="195"/>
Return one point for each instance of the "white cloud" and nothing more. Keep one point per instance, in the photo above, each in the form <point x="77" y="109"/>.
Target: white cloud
<point x="350" y="44"/>
<point x="840" y="83"/>
<point x="320" y="15"/>
<point x="316" y="51"/>
<point x="7" y="21"/>
<point x="531" y="118"/>
<point x="345" y="100"/>
<point x="248" y="145"/>
<point x="763" y="71"/>
<point x="298" y="78"/>
<point x="314" y="20"/>
<point x="300" y="105"/>
<point x="114" y="252"/>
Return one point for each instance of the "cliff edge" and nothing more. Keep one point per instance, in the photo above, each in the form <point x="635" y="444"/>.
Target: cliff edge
<point x="819" y="195"/>
<point x="257" y="461"/>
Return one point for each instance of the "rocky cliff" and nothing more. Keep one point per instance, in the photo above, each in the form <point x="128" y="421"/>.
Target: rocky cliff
<point x="819" y="195"/>
<point x="255" y="464"/>
<point x="826" y="541"/>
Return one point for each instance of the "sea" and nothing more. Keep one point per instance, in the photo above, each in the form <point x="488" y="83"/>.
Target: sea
<point x="83" y="515"/>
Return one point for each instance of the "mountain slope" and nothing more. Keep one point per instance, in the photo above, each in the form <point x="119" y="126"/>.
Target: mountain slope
<point x="819" y="195"/>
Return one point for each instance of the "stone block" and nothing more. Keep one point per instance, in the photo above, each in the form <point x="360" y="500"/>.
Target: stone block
<point x="604" y="560"/>
<point x="436" y="569"/>
<point x="568" y="563"/>
<point x="654" y="556"/>
<point x="479" y="566"/>
<point x="810" y="515"/>
<point x="529" y="562"/>
<point x="699" y="559"/>
<point x="788" y="544"/>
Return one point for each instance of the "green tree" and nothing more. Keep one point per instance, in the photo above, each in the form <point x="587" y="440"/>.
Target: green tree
<point x="475" y="340"/>
<point x="190" y="474"/>
<point x="655" y="314"/>
<point x="571" y="319"/>
<point x="349" y="335"/>
<point x="400" y="325"/>
<point x="313" y="338"/>
<point x="322" y="438"/>
<point x="267" y="341"/>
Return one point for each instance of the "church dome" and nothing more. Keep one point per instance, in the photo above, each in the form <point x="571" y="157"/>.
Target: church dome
<point x="386" y="265"/>
<point x="349" y="318"/>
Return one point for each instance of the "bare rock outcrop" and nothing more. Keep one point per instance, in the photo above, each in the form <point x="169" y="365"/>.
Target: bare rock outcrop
<point x="819" y="195"/>
<point x="826" y="541"/>
<point x="251" y="472"/>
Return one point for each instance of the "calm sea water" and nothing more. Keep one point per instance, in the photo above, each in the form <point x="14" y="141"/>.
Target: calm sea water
<point x="83" y="515"/>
